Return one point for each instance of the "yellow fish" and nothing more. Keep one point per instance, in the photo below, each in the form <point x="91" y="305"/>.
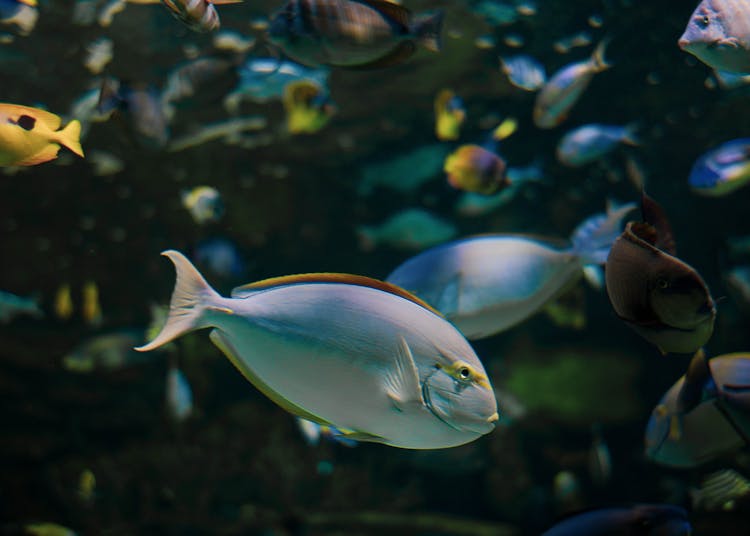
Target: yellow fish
<point x="449" y="115"/>
<point x="308" y="108"/>
<point x="63" y="302"/>
<point x="92" y="310"/>
<point x="473" y="168"/>
<point x="29" y="136"/>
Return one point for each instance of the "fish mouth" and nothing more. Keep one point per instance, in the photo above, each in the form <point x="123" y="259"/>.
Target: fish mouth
<point x="478" y="426"/>
<point x="683" y="43"/>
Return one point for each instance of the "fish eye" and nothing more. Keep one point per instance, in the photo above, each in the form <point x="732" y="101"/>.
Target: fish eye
<point x="706" y="20"/>
<point x="662" y="283"/>
<point x="464" y="373"/>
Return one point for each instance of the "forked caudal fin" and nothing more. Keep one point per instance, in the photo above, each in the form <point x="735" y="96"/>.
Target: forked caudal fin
<point x="593" y="238"/>
<point x="427" y="28"/>
<point x="191" y="298"/>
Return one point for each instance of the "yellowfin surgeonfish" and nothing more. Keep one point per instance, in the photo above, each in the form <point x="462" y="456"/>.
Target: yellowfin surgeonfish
<point x="346" y="351"/>
<point x="449" y="115"/>
<point x="30" y="136"/>
<point x="307" y="106"/>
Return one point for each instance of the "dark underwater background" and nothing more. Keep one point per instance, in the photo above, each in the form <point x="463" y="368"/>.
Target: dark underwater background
<point x="240" y="465"/>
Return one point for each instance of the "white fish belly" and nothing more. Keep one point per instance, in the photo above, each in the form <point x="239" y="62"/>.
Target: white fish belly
<point x="329" y="352"/>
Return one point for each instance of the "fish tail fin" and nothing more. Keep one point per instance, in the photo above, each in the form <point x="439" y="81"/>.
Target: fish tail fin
<point x="191" y="300"/>
<point x="70" y="137"/>
<point x="427" y="28"/>
<point x="597" y="58"/>
<point x="593" y="238"/>
<point x="630" y="136"/>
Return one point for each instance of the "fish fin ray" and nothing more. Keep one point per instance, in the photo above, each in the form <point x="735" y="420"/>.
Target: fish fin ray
<point x="402" y="382"/>
<point x="191" y="298"/>
<point x="396" y="12"/>
<point x="70" y="137"/>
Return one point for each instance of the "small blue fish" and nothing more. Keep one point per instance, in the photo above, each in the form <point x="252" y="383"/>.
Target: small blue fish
<point x="264" y="79"/>
<point x="722" y="170"/>
<point x="718" y="34"/>
<point x="524" y="72"/>
<point x="312" y="432"/>
<point x="12" y="306"/>
<point x="641" y="519"/>
<point x="589" y="143"/>
<point x="221" y="257"/>
<point x="179" y="395"/>
<point x="562" y="91"/>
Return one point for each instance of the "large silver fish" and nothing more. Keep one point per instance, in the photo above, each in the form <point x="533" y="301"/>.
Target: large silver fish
<point x="345" y="351"/>
<point x="487" y="284"/>
<point x="352" y="33"/>
<point x="718" y="34"/>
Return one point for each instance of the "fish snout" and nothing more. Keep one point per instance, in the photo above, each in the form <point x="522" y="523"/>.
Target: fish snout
<point x="708" y="308"/>
<point x="683" y="43"/>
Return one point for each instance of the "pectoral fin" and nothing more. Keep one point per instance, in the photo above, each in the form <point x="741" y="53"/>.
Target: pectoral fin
<point x="402" y="381"/>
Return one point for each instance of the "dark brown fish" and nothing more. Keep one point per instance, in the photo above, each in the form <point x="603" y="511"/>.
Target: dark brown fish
<point x="352" y="33"/>
<point x="664" y="299"/>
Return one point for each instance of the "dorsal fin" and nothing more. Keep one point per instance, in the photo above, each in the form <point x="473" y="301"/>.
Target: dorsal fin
<point x="654" y="214"/>
<point x="395" y="12"/>
<point x="344" y="279"/>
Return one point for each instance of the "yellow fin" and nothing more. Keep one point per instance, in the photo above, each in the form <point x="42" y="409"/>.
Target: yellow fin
<point x="220" y="340"/>
<point x="70" y="137"/>
<point x="49" y="152"/>
<point x="505" y="129"/>
<point x="362" y="436"/>
<point x="344" y="279"/>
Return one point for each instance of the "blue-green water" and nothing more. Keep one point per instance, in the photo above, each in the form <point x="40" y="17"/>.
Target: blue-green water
<point x="293" y="204"/>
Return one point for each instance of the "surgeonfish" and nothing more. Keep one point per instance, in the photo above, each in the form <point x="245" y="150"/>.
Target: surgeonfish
<point x="489" y="283"/>
<point x="30" y="136"/>
<point x="143" y="106"/>
<point x="718" y="34"/>
<point x="204" y="204"/>
<point x="98" y="54"/>
<point x="347" y="351"/>
<point x="472" y="168"/>
<point x="187" y="78"/>
<point x="410" y="229"/>
<point x="198" y="15"/>
<point x="640" y="519"/>
<point x="704" y="415"/>
<point x="662" y="298"/>
<point x="12" y="306"/>
<point x="63" y="306"/>
<point x="449" y="115"/>
<point x="524" y="72"/>
<point x="588" y="143"/>
<point x="565" y="87"/>
<point x="179" y="395"/>
<point x="227" y="130"/>
<point x="722" y="170"/>
<point x="352" y="33"/>
<point x="308" y="107"/>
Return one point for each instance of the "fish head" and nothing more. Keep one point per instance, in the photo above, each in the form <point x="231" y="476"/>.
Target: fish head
<point x="281" y="29"/>
<point x="460" y="395"/>
<point x="704" y="31"/>
<point x="678" y="295"/>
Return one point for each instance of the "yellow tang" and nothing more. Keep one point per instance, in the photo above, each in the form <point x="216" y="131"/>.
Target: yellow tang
<point x="29" y="136"/>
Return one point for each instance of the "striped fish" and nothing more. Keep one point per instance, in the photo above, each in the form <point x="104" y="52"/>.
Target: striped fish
<point x="352" y="33"/>
<point x="198" y="15"/>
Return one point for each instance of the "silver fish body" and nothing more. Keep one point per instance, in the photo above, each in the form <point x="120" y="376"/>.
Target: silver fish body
<point x="367" y="360"/>
<point x="350" y="33"/>
<point x="718" y="34"/>
<point x="565" y="87"/>
<point x="589" y="143"/>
